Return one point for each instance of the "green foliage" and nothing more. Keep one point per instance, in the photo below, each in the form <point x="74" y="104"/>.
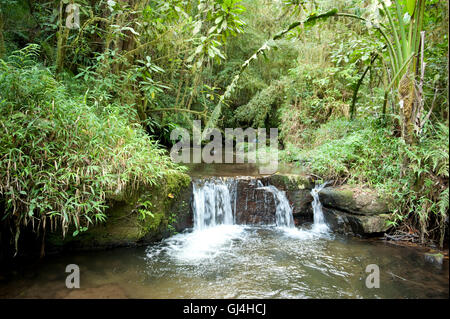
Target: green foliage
<point x="62" y="157"/>
<point x="318" y="93"/>
<point x="136" y="70"/>
<point x="221" y="20"/>
<point x="257" y="112"/>
<point x="366" y="153"/>
<point x="172" y="220"/>
<point x="144" y="210"/>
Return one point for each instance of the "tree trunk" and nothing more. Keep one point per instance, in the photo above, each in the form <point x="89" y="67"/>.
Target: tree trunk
<point x="62" y="35"/>
<point x="2" y="40"/>
<point x="407" y="100"/>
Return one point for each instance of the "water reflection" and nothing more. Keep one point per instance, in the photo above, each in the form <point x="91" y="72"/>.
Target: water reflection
<point x="243" y="262"/>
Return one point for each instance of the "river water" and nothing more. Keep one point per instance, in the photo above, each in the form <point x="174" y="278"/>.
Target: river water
<point x="219" y="259"/>
<point x="233" y="261"/>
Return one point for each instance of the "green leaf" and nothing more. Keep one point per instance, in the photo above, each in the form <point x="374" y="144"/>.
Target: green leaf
<point x="197" y="27"/>
<point x="199" y="49"/>
<point x="411" y="6"/>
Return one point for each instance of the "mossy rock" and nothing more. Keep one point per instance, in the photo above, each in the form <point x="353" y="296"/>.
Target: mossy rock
<point x="374" y="224"/>
<point x="435" y="259"/>
<point x="345" y="223"/>
<point x="290" y="182"/>
<point x="143" y="216"/>
<point x="354" y="199"/>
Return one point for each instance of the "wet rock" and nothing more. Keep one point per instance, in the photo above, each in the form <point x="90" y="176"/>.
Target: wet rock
<point x="257" y="207"/>
<point x="300" y="202"/>
<point x="435" y="259"/>
<point x="168" y="210"/>
<point x="354" y="200"/>
<point x="346" y="223"/>
<point x="298" y="192"/>
<point x="254" y="206"/>
<point x="289" y="182"/>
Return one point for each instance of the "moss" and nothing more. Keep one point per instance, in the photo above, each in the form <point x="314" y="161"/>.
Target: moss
<point x="125" y="225"/>
<point x="355" y="199"/>
<point x="346" y="196"/>
<point x="153" y="223"/>
<point x="436" y="259"/>
<point x="290" y="182"/>
<point x="374" y="224"/>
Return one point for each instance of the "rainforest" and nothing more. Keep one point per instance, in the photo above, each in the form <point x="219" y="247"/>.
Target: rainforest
<point x="314" y="137"/>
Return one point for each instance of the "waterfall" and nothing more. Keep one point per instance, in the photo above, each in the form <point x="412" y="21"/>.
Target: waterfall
<point x="283" y="213"/>
<point x="319" y="220"/>
<point x="213" y="203"/>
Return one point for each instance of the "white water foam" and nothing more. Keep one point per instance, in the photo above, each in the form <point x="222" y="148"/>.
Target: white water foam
<point x="319" y="225"/>
<point x="283" y="213"/>
<point x="203" y="244"/>
<point x="214" y="230"/>
<point x="214" y="206"/>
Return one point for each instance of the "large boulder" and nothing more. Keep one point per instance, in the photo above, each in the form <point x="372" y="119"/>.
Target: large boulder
<point x="141" y="217"/>
<point x="354" y="200"/>
<point x="253" y="206"/>
<point x="346" y="223"/>
<point x="289" y="182"/>
<point x="355" y="210"/>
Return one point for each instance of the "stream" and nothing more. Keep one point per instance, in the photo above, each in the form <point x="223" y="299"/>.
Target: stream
<point x="218" y="258"/>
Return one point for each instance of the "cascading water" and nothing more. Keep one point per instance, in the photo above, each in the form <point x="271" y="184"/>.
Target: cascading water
<point x="212" y="203"/>
<point x="283" y="213"/>
<point x="319" y="220"/>
<point x="213" y="206"/>
<point x="215" y="212"/>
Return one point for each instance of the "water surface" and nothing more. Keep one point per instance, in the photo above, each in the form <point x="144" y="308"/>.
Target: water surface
<point x="235" y="261"/>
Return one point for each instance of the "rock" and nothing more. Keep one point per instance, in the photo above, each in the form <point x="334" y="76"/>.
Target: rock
<point x="346" y="223"/>
<point x="254" y="206"/>
<point x="298" y="192"/>
<point x="300" y="202"/>
<point x="354" y="200"/>
<point x="168" y="210"/>
<point x="289" y="182"/>
<point x="435" y="259"/>
<point x="257" y="207"/>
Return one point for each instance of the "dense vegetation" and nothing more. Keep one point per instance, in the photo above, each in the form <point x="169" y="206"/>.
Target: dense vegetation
<point x="357" y="92"/>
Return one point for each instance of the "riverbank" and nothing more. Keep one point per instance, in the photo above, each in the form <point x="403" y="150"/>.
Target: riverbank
<point x="364" y="153"/>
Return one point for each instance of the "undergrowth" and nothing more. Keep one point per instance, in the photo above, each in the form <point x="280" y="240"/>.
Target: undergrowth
<point x="62" y="157"/>
<point x="364" y="152"/>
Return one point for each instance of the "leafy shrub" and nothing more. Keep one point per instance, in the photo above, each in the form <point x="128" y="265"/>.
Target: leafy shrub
<point x="62" y="158"/>
<point x="315" y="95"/>
<point x="257" y="111"/>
